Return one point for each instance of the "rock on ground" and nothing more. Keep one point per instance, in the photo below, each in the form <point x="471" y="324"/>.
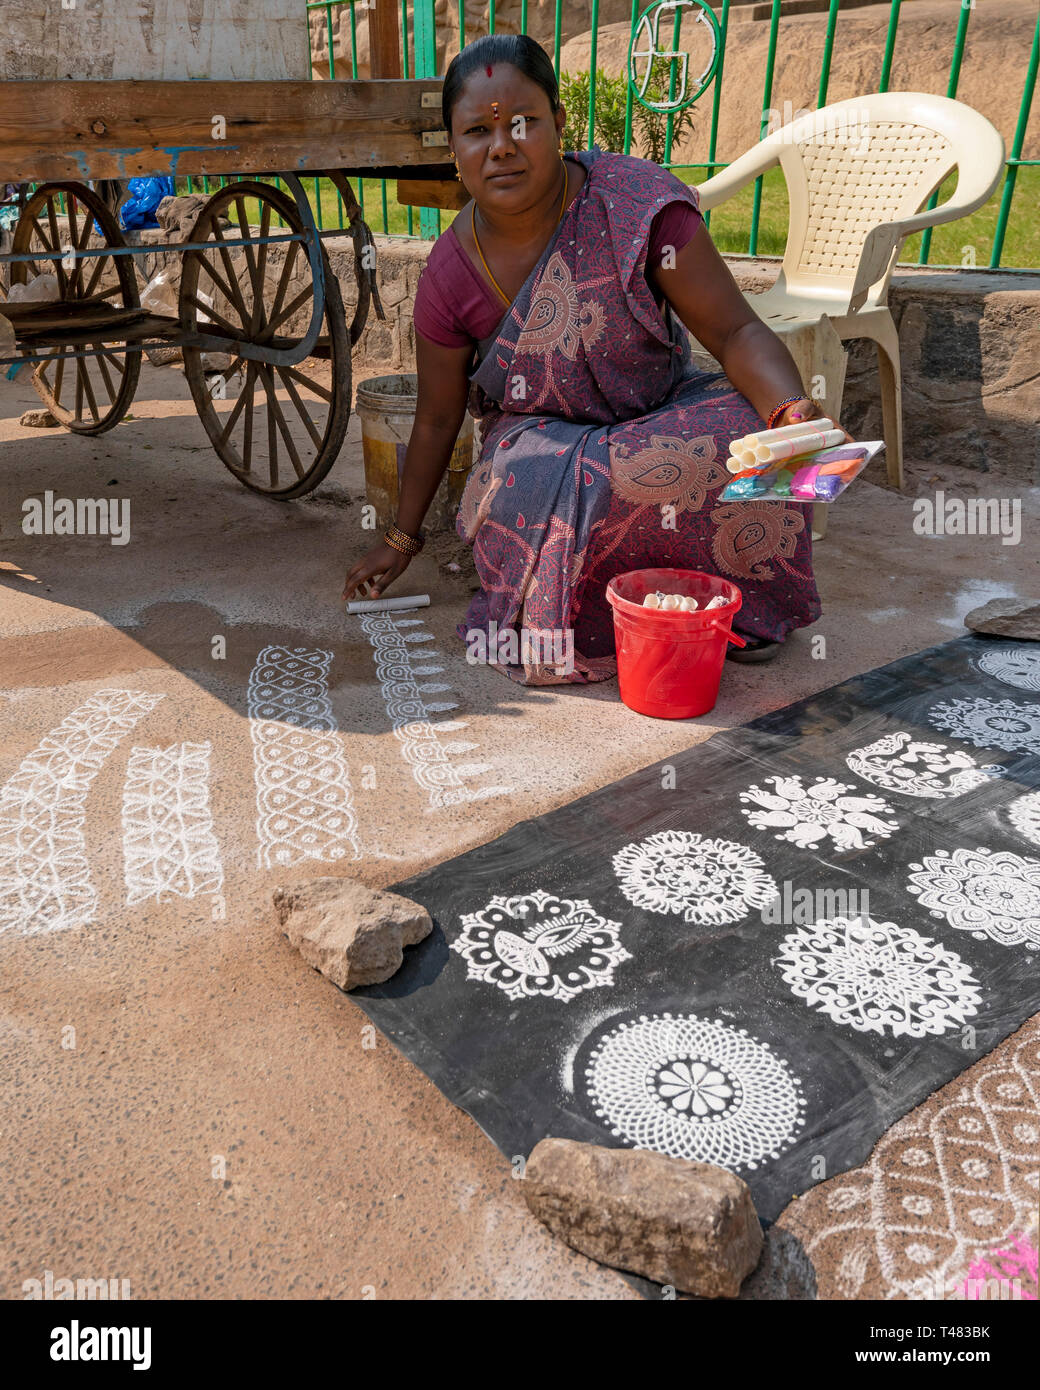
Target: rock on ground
<point x="39" y="420"/>
<point x="353" y="934"/>
<point x="1007" y="617"/>
<point x="689" y="1225"/>
<point x="163" y="356"/>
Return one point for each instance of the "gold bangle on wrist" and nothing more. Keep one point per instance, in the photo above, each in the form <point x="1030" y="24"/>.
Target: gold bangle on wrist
<point x="400" y="540"/>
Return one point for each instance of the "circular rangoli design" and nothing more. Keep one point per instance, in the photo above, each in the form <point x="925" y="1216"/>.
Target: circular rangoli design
<point x="877" y="977"/>
<point x="711" y="882"/>
<point x="990" y="723"/>
<point x="694" y="1088"/>
<point x="991" y="893"/>
<point x="1014" y="665"/>
<point x="539" y="944"/>
<point x="824" y="811"/>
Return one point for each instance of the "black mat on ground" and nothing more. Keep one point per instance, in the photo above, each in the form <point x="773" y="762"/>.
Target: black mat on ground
<point x="760" y="953"/>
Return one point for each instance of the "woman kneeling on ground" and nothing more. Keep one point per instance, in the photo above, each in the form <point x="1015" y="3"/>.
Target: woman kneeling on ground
<point x="555" y="305"/>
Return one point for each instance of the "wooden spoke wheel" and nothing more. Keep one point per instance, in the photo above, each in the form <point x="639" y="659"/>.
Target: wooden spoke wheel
<point x="359" y="232"/>
<point x="87" y="394"/>
<point x="278" y="428"/>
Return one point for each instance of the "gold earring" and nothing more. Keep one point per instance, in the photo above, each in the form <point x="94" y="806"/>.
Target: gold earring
<point x="455" y="161"/>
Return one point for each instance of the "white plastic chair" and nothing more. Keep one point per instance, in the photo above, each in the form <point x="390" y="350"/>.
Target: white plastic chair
<point x="857" y="172"/>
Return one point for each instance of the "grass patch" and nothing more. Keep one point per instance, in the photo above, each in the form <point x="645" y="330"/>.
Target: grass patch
<point x="966" y="242"/>
<point x="956" y="243"/>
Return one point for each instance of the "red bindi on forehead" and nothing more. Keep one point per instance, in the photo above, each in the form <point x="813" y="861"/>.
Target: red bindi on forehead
<point x="488" y="70"/>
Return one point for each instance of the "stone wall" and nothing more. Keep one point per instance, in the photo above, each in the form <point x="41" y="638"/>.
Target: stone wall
<point x="970" y="344"/>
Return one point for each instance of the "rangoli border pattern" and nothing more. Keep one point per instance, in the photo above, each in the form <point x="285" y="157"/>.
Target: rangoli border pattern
<point x="169" y="848"/>
<point x="305" y="806"/>
<point x="45" y="882"/>
<point x="400" y="659"/>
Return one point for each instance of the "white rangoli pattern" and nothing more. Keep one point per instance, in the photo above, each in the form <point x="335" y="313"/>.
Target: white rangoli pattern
<point x="399" y="658"/>
<point x="305" y="807"/>
<point x="694" y="1088"/>
<point x="804" y="816"/>
<point x="898" y="762"/>
<point x="45" y="881"/>
<point x="991" y="893"/>
<point x="877" y="977"/>
<point x="539" y="945"/>
<point x="990" y="723"/>
<point x="1014" y="666"/>
<point x="711" y="882"/>
<point x="1024" y="815"/>
<point x="169" y="848"/>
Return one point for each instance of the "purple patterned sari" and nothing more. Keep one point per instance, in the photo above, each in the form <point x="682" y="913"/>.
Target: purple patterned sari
<point x="604" y="448"/>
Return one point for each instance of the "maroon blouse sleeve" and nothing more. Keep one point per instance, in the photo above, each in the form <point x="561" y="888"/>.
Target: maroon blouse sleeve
<point x="673" y="226"/>
<point x="434" y="316"/>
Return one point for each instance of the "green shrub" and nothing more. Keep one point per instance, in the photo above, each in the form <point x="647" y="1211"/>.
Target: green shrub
<point x="609" y="116"/>
<point x="649" y="128"/>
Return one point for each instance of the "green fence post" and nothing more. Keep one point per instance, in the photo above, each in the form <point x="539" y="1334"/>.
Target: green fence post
<point x="717" y="98"/>
<point x="828" y="49"/>
<point x="327" y="7"/>
<point x="890" y="43"/>
<point x="523" y="16"/>
<point x="1016" y="149"/>
<point x="951" y="91"/>
<point x="426" y="66"/>
<point x="556" y="36"/>
<point x="628" y="75"/>
<point x="669" y="124"/>
<point x="491" y="16"/>
<point x="592" y="72"/>
<point x="767" y="97"/>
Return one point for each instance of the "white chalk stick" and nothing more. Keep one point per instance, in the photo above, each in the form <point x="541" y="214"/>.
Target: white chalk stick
<point x="799" y="446"/>
<point x="388" y="605"/>
<point x="787" y="432"/>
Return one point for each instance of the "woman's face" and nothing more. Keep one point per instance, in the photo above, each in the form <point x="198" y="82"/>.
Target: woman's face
<point x="510" y="159"/>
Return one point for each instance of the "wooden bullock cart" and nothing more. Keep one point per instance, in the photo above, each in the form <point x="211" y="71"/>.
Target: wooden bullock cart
<point x="257" y="293"/>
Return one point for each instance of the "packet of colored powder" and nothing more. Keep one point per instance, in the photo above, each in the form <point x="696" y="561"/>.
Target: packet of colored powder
<point x="819" y="477"/>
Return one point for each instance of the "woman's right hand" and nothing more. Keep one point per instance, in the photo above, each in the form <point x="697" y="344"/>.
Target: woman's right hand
<point x="375" y="571"/>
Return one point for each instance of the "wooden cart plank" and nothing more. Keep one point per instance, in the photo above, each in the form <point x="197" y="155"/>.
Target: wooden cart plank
<point x="29" y="319"/>
<point x="110" y="130"/>
<point x="448" y="194"/>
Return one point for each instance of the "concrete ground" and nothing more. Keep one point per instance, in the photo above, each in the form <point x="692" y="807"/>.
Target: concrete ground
<point x="187" y="1105"/>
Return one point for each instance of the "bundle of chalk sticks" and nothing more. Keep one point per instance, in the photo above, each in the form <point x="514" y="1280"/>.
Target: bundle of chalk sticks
<point x="809" y="462"/>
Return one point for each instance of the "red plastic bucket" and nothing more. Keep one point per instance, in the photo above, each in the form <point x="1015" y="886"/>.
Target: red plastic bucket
<point x="670" y="664"/>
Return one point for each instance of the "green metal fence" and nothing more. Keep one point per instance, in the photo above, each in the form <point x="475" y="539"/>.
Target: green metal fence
<point x="418" y="59"/>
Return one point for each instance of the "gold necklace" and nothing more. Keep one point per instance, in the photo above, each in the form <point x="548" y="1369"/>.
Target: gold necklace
<point x="476" y="239"/>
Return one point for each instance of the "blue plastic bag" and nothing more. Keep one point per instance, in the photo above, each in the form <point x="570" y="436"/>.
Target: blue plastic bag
<point x="145" y="197"/>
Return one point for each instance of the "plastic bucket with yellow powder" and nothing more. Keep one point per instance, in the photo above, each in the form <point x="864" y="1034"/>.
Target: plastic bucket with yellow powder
<point x="386" y="405"/>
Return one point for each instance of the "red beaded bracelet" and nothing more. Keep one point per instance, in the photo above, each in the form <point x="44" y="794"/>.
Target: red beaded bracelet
<point x="778" y="410"/>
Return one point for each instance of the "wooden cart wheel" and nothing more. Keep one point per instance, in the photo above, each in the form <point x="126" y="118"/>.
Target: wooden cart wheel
<point x="87" y="394"/>
<point x="362" y="238"/>
<point x="277" y="428"/>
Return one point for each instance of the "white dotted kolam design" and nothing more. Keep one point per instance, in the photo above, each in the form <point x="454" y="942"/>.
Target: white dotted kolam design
<point x="694" y="1088"/>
